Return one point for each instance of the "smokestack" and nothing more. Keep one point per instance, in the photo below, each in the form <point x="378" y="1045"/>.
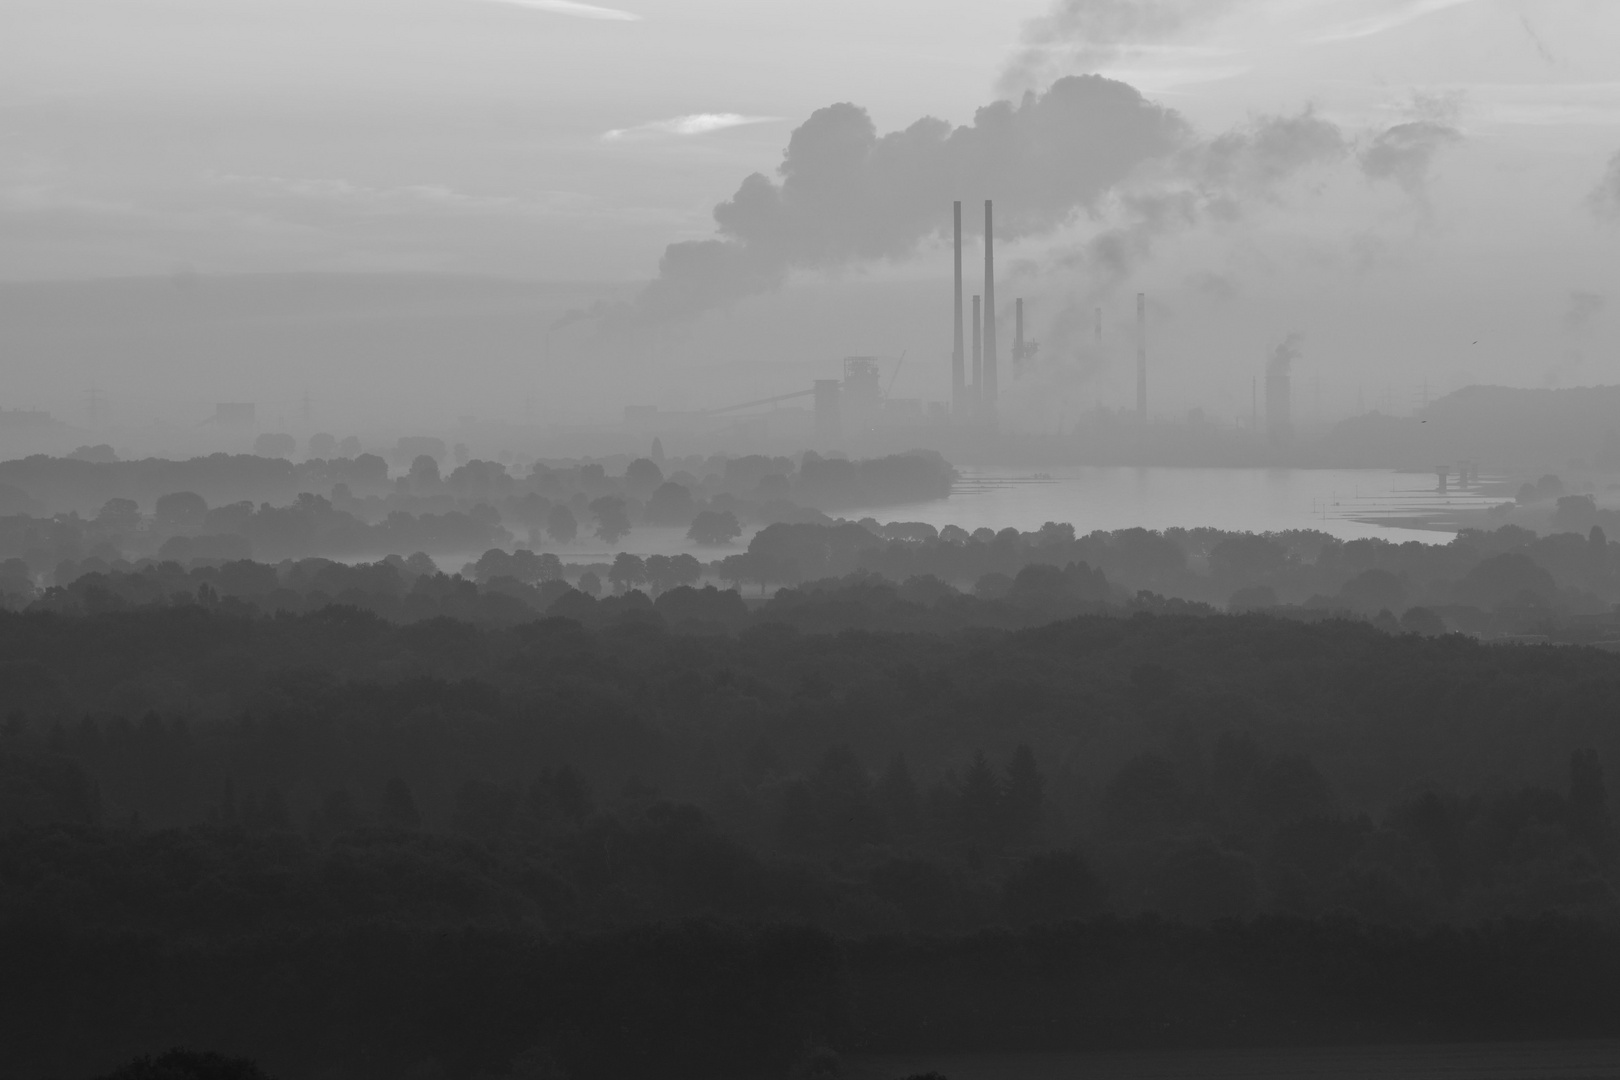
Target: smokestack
<point x="1018" y="334"/>
<point x="987" y="394"/>
<point x="1099" y="327"/>
<point x="1141" y="357"/>
<point x="958" y="386"/>
<point x="977" y="390"/>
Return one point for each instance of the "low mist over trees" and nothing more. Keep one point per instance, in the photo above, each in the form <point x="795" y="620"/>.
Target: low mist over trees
<point x="855" y="788"/>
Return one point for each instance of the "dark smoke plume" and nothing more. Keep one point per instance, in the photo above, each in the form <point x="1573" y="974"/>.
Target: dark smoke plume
<point x="1404" y="153"/>
<point x="1605" y="198"/>
<point x="1210" y="180"/>
<point x="1283" y="356"/>
<point x="844" y="194"/>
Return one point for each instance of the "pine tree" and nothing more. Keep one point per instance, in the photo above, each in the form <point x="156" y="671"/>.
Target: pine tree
<point x="897" y="794"/>
<point x="981" y="801"/>
<point x="1024" y="796"/>
<point x="1589" y="803"/>
<point x="399" y="806"/>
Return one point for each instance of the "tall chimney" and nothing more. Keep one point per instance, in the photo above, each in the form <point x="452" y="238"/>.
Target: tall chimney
<point x="1099" y="327"/>
<point x="977" y="391"/>
<point x="1018" y="335"/>
<point x="958" y="384"/>
<point x="987" y="394"/>
<point x="1141" y="357"/>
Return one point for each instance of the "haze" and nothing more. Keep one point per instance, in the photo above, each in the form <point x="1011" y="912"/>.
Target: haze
<point x="1426" y="191"/>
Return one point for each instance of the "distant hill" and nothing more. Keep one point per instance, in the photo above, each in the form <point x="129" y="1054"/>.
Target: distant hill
<point x="1499" y="426"/>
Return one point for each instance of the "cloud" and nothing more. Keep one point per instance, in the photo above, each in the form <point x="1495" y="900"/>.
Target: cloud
<point x="1391" y="17"/>
<point x="575" y="10"/>
<point x="1404" y="154"/>
<point x="1087" y="35"/>
<point x="1605" y="198"/>
<point x="1192" y="41"/>
<point x="1584" y="307"/>
<point x="693" y="124"/>
<point x="845" y="195"/>
<point x="1089" y="148"/>
<point x="1214" y="179"/>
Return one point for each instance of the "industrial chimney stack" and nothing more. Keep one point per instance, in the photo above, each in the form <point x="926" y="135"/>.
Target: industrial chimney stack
<point x="1141" y="357"/>
<point x="976" y="392"/>
<point x="987" y="391"/>
<point x="958" y="375"/>
<point x="1018" y="335"/>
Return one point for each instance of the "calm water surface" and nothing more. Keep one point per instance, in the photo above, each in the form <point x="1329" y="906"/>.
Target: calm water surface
<point x="1348" y="503"/>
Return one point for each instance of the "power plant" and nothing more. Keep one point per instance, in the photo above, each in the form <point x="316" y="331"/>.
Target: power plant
<point x="860" y="402"/>
<point x="1141" y="358"/>
<point x="987" y="392"/>
<point x="958" y="376"/>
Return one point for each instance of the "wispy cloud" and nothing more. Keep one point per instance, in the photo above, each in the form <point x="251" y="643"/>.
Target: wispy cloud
<point x="575" y="10"/>
<point x="1392" y="17"/>
<point x="693" y="124"/>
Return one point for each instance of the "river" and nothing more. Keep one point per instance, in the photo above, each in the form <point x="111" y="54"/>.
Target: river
<point x="1348" y="503"/>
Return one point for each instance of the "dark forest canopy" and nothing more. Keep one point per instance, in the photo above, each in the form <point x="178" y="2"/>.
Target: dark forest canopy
<point x="327" y="840"/>
<point x="339" y="497"/>
<point x="1507" y="582"/>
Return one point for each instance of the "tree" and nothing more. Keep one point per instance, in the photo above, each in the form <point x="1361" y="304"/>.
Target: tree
<point x="1024" y="795"/>
<point x="590" y="584"/>
<point x="612" y="523"/>
<point x="323" y="446"/>
<point x="981" y="801"/>
<point x="180" y="509"/>
<point x="660" y="573"/>
<point x="483" y="810"/>
<point x="736" y="569"/>
<point x="897" y="794"/>
<point x="1589" y="802"/>
<point x="119" y="514"/>
<point x="562" y="795"/>
<point x="399" y="806"/>
<point x="1050" y="888"/>
<point x="561" y="524"/>
<point x="670" y="504"/>
<point x="642" y="477"/>
<point x="424" y="473"/>
<point x="627" y="570"/>
<point x="713" y="528"/>
<point x="187" y="1065"/>
<point x="685" y="569"/>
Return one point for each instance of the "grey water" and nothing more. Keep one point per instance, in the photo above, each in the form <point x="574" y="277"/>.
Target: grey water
<point x="1347" y="503"/>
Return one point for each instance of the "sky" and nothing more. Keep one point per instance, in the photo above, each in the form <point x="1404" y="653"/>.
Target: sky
<point x="1427" y="191"/>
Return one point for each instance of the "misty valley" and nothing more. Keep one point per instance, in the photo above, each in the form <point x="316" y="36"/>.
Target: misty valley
<point x="811" y="797"/>
<point x="706" y="540"/>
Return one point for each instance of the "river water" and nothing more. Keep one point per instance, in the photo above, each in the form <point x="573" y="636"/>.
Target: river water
<point x="1348" y="503"/>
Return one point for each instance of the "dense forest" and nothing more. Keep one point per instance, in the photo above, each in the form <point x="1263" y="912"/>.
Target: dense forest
<point x="56" y="510"/>
<point x="744" y="842"/>
<point x="1505" y="582"/>
<point x="859" y="788"/>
